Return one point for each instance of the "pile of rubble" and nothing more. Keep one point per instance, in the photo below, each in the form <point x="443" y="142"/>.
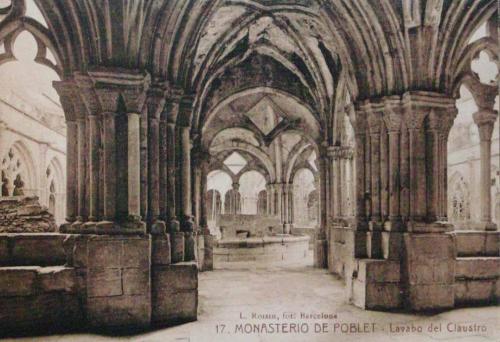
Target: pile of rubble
<point x="21" y="214"/>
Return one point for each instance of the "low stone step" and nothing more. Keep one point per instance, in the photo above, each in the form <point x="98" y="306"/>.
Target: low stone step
<point x="36" y="298"/>
<point x="22" y="281"/>
<point x="477" y="243"/>
<point x="477" y="268"/>
<point x="41" y="249"/>
<point x="477" y="280"/>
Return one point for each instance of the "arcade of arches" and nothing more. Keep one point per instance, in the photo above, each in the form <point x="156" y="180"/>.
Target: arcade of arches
<point x="368" y="128"/>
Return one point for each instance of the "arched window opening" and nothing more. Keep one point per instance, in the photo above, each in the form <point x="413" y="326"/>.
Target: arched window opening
<point x="15" y="180"/>
<point x="262" y="203"/>
<point x="251" y="183"/>
<point x="305" y="199"/>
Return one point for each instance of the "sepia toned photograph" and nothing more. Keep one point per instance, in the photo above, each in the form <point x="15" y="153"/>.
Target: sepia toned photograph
<point x="249" y="170"/>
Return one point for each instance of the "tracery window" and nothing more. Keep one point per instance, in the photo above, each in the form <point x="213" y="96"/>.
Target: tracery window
<point x="13" y="174"/>
<point x="459" y="202"/>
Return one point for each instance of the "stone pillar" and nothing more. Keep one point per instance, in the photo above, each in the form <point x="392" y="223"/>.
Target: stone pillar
<point x="268" y="202"/>
<point x="392" y="121"/>
<point x="155" y="106"/>
<point x="185" y="141"/>
<point x="291" y="208"/>
<point x="109" y="166"/>
<point x="94" y="142"/>
<point x="374" y="241"/>
<point x="272" y="201"/>
<point x="71" y="170"/>
<point x="333" y="182"/>
<point x="418" y="257"/>
<point x="121" y="98"/>
<point x="134" y="166"/>
<point x="204" y="165"/>
<point x="320" y="246"/>
<point x="67" y="91"/>
<point x="485" y="120"/>
<point x="172" y="176"/>
<point x="287" y="210"/>
<point x="82" y="215"/>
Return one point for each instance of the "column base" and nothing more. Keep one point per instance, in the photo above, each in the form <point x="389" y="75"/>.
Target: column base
<point x="174" y="226"/>
<point x="190" y="247"/>
<point x="434" y="227"/>
<point x="487" y="226"/>
<point x="161" y="251"/>
<point x="287" y="228"/>
<point x="320" y="254"/>
<point x="394" y="225"/>
<point x="104" y="228"/>
<point x="374" y="240"/>
<point x="178" y="245"/>
<point x="158" y="227"/>
<point x="208" y="259"/>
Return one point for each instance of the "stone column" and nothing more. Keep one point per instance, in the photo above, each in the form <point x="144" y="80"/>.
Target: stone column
<point x="287" y="222"/>
<point x="134" y="165"/>
<point x="94" y="143"/>
<point x="121" y="98"/>
<point x="109" y="167"/>
<point x="71" y="170"/>
<point x="236" y="199"/>
<point x="204" y="165"/>
<point x="68" y="95"/>
<point x="415" y="135"/>
<point x="392" y="121"/>
<point x="185" y="141"/>
<point x="163" y="161"/>
<point x="272" y="201"/>
<point x="374" y="241"/>
<point x="280" y="194"/>
<point x="333" y="183"/>
<point x="172" y="176"/>
<point x="485" y="120"/>
<point x="81" y="216"/>
<point x="187" y="193"/>
<point x="268" y="202"/>
<point x="291" y="208"/>
<point x="320" y="246"/>
<point x="155" y="106"/>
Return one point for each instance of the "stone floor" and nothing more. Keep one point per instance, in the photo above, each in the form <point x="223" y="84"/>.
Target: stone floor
<point x="229" y="297"/>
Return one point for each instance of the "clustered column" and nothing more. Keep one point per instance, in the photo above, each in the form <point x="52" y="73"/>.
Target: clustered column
<point x="104" y="135"/>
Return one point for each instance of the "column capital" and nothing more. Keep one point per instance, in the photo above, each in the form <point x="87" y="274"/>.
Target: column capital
<point x="419" y="104"/>
<point x="111" y="83"/>
<point x="68" y="94"/>
<point x="485" y="121"/>
<point x="155" y="100"/>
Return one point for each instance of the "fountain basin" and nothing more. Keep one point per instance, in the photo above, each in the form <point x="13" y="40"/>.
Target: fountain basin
<point x="279" y="249"/>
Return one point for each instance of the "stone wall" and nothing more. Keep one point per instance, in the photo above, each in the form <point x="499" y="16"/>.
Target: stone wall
<point x="418" y="272"/>
<point x="51" y="281"/>
<point x="24" y="214"/>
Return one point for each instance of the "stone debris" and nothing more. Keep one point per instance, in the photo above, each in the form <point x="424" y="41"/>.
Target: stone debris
<point x="24" y="214"/>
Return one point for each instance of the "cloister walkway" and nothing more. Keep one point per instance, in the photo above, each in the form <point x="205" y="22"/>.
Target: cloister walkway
<point x="235" y="303"/>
